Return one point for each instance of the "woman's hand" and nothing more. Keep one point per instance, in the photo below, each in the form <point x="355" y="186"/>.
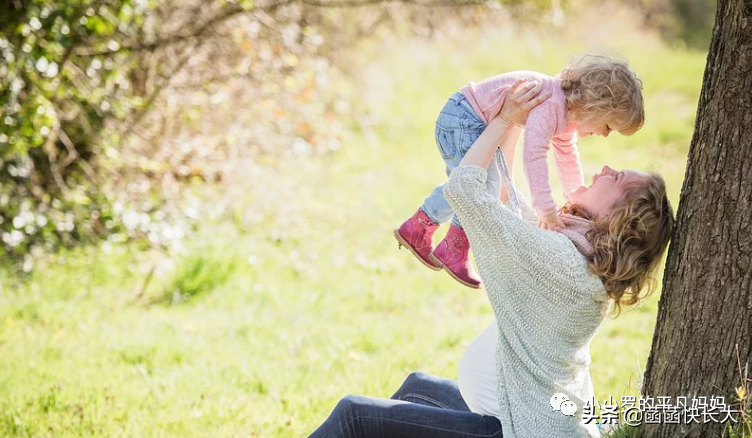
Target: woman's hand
<point x="522" y="97"/>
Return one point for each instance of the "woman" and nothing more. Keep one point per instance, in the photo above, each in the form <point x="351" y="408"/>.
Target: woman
<point x="550" y="291"/>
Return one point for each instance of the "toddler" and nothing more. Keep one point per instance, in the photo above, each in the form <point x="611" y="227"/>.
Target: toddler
<point x="593" y="95"/>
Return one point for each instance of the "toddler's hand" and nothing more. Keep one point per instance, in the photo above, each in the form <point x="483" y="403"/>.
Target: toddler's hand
<point x="551" y="222"/>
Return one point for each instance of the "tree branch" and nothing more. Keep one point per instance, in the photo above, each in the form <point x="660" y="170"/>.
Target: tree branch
<point x="72" y="152"/>
<point x="49" y="148"/>
<point x="157" y="91"/>
<point x="235" y="10"/>
<point x="225" y="15"/>
<point x="358" y="3"/>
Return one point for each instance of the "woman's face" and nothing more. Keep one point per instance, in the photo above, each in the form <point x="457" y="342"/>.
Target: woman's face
<point x="606" y="190"/>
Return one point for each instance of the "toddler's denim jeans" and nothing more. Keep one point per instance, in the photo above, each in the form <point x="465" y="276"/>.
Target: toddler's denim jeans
<point x="457" y="128"/>
<point x="424" y="407"/>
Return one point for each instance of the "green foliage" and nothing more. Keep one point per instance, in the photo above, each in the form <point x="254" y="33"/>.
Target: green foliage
<point x="623" y="431"/>
<point x="694" y="21"/>
<point x="63" y="67"/>
<point x="687" y="22"/>
<point x="63" y="79"/>
<point x="743" y="398"/>
<point x="741" y="430"/>
<point x="84" y="156"/>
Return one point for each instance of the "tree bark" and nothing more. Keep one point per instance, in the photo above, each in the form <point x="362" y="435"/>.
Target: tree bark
<point x="705" y="309"/>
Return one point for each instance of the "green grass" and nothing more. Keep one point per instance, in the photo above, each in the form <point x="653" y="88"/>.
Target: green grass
<point x="299" y="296"/>
<point x="622" y="432"/>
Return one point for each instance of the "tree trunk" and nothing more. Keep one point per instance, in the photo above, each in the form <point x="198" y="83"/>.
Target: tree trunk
<point x="705" y="309"/>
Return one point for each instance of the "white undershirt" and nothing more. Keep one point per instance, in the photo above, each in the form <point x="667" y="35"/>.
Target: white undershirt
<point x="477" y="376"/>
<point x="477" y="373"/>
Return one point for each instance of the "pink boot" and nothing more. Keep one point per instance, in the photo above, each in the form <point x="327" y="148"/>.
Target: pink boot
<point x="415" y="234"/>
<point x="452" y="255"/>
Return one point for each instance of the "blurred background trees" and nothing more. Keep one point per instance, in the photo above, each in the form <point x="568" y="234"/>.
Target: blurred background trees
<point x="114" y="114"/>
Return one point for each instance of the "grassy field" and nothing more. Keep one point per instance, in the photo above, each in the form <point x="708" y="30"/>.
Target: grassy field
<point x="298" y="295"/>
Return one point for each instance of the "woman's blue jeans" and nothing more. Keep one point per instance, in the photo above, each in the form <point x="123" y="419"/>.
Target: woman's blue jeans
<point x="457" y="128"/>
<point x="424" y="407"/>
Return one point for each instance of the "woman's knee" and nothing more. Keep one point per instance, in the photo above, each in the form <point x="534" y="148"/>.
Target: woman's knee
<point x="418" y="378"/>
<point x="349" y="405"/>
<point x="412" y="384"/>
<point x="342" y="421"/>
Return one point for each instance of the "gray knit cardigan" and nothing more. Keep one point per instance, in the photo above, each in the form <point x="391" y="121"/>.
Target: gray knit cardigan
<point x="548" y="306"/>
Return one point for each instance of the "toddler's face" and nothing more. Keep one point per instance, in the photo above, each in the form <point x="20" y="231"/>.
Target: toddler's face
<point x="594" y="127"/>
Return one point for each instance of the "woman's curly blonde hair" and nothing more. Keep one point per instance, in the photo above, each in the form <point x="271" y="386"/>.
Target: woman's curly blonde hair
<point x="603" y="89"/>
<point x="629" y="241"/>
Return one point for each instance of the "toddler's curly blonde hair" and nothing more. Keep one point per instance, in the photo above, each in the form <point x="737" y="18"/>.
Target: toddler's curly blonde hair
<point x="604" y="89"/>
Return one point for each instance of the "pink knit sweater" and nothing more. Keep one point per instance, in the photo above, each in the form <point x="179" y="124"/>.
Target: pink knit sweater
<point x="546" y="124"/>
